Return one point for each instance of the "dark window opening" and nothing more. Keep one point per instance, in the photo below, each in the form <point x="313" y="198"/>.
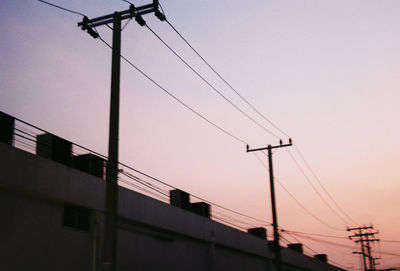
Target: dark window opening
<point x="77" y="217"/>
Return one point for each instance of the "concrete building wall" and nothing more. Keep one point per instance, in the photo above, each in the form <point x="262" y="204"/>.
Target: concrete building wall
<point x="152" y="235"/>
<point x="32" y="236"/>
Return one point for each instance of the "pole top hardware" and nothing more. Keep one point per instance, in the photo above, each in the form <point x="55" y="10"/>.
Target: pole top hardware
<point x="281" y="145"/>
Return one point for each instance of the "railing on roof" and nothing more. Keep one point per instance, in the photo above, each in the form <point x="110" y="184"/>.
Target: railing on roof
<point x="30" y="138"/>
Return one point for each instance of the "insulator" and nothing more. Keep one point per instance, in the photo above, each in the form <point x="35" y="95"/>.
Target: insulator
<point x="92" y="33"/>
<point x="139" y="20"/>
<point x="159" y="15"/>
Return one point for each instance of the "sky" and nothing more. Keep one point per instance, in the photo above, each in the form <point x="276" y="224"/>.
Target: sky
<point x="327" y="73"/>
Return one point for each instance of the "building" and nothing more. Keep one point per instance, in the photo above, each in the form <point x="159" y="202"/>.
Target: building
<point x="52" y="207"/>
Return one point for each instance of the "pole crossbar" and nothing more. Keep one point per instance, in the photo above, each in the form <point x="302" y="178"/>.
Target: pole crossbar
<point x="109" y="18"/>
<point x="125" y="14"/>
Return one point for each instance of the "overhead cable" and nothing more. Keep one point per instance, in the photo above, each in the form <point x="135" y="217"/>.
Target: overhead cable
<point x="298" y="202"/>
<point x="223" y="79"/>
<point x="212" y="86"/>
<point x="62" y="8"/>
<point x="258" y="112"/>
<point x="322" y="186"/>
<point x="176" y="98"/>
<point x="315" y="189"/>
<point x="315" y="252"/>
<point x="158" y="85"/>
<point x="324" y="241"/>
<point x="315" y="234"/>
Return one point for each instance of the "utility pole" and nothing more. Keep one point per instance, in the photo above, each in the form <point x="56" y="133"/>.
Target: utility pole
<point x="361" y="232"/>
<point x="277" y="249"/>
<point x="109" y="253"/>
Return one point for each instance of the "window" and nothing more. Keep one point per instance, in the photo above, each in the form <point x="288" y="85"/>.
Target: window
<point x="77" y="217"/>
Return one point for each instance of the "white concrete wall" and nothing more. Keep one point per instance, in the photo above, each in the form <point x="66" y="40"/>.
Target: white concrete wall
<point x="152" y="235"/>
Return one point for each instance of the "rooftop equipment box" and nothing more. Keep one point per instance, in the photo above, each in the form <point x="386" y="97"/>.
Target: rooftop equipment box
<point x="54" y="148"/>
<point x="259" y="232"/>
<point x="89" y="163"/>
<point x="179" y="198"/>
<point x="200" y="208"/>
<point x="6" y="128"/>
<point x="296" y="247"/>
<point x="321" y="257"/>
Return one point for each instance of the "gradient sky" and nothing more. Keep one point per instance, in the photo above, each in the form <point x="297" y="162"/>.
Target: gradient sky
<point x="326" y="72"/>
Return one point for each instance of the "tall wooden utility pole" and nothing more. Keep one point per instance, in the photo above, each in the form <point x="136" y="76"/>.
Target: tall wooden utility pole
<point x="277" y="249"/>
<point x="365" y="245"/>
<point x="109" y="254"/>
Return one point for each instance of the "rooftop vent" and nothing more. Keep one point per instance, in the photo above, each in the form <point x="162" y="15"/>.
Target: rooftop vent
<point x="298" y="247"/>
<point x="200" y="208"/>
<point x="321" y="257"/>
<point x="259" y="232"/>
<point x="89" y="163"/>
<point x="54" y="148"/>
<point x="6" y="128"/>
<point x="179" y="198"/>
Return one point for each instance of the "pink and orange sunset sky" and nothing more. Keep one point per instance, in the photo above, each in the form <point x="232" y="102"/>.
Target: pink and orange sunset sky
<point x="326" y="72"/>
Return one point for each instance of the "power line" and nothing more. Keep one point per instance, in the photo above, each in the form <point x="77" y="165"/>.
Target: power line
<point x="127" y="2"/>
<point x="156" y="195"/>
<point x="194" y="196"/>
<point x="198" y="114"/>
<point x="305" y="209"/>
<point x="390" y="241"/>
<point x="322" y="186"/>
<point x="229" y="223"/>
<point x="230" y="86"/>
<point x="234" y="220"/>
<point x="315" y="189"/>
<point x="305" y="245"/>
<point x="127" y="22"/>
<point x="212" y="86"/>
<point x="182" y="103"/>
<point x="226" y="218"/>
<point x="323" y="241"/>
<point x="201" y="115"/>
<point x="177" y="99"/>
<point x="299" y="203"/>
<point x="195" y="112"/>
<point x="315" y="234"/>
<point x="152" y="177"/>
<point x="138" y="180"/>
<point x="389" y="253"/>
<point x="148" y="77"/>
<point x="206" y="62"/>
<point x="315" y="252"/>
<point x="223" y="79"/>
<point x="151" y="186"/>
<point x="62" y="8"/>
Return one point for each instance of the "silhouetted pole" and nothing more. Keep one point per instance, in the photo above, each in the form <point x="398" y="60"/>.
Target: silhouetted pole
<point x="111" y="209"/>
<point x="273" y="204"/>
<point x="365" y="254"/>
<point x="277" y="248"/>
<point x="371" y="260"/>
<point x="363" y="249"/>
<point x="111" y="217"/>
